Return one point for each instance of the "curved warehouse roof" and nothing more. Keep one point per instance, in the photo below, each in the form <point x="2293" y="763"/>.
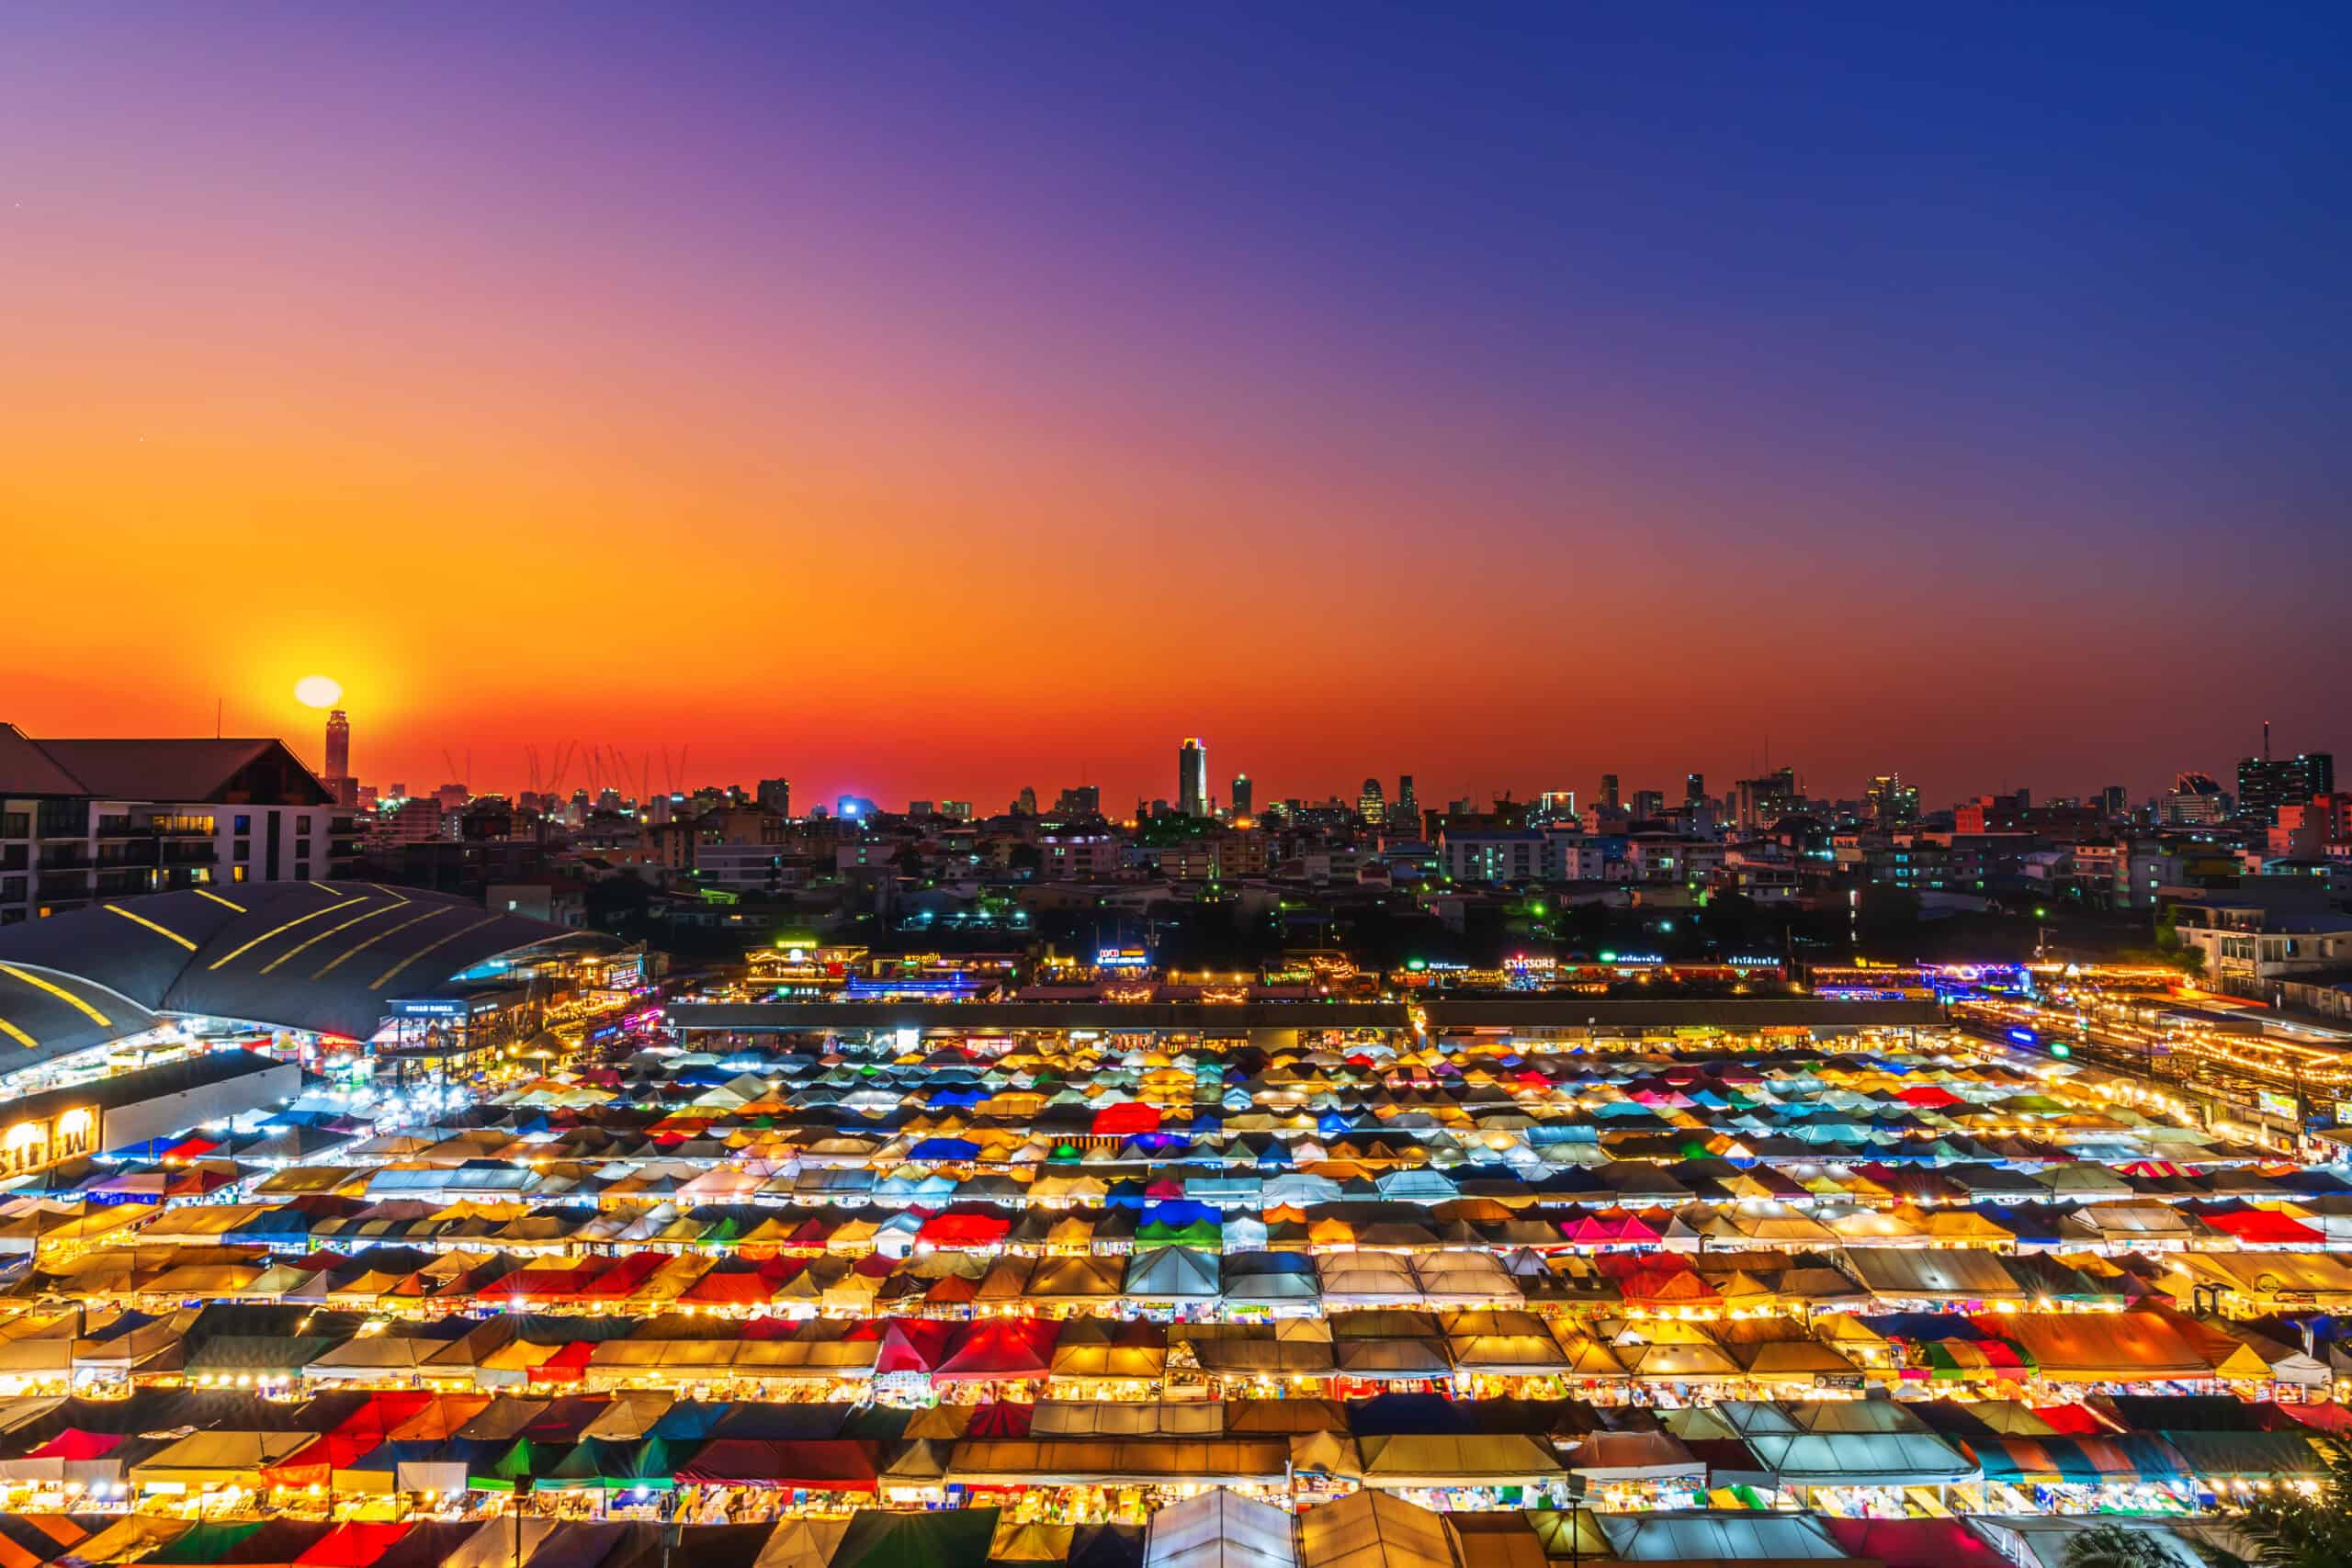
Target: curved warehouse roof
<point x="327" y="956"/>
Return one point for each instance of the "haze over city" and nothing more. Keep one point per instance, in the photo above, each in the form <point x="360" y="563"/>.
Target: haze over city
<point x="987" y="399"/>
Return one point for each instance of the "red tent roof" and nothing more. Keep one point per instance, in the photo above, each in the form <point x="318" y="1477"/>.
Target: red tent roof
<point x="912" y="1345"/>
<point x="728" y="1287"/>
<point x="958" y="1231"/>
<point x="1003" y="1348"/>
<point x="1004" y="1418"/>
<point x="2266" y="1227"/>
<point x="354" y="1545"/>
<point x="76" y="1445"/>
<point x="1126" y="1119"/>
<point x="815" y="1464"/>
<point x="567" y="1365"/>
<point x="2071" y="1420"/>
<point x="1915" y="1543"/>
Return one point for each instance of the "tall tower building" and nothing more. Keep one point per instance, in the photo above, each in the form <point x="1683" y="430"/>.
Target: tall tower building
<point x="2266" y="783"/>
<point x="1244" y="796"/>
<point x="338" y="775"/>
<point x="777" y="796"/>
<point x="1609" y="791"/>
<point x="1193" y="777"/>
<point x="1893" y="803"/>
<point x="1694" y="788"/>
<point x="1372" y="804"/>
<point x="1408" y="807"/>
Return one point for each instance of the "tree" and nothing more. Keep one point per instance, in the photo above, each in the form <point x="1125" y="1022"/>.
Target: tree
<point x="2306" y="1529"/>
<point x="2118" y="1546"/>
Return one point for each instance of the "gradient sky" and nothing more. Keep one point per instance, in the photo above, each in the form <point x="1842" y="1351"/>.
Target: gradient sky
<point x="934" y="399"/>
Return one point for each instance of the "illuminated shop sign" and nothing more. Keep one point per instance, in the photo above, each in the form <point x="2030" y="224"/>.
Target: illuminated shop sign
<point x="432" y="1007"/>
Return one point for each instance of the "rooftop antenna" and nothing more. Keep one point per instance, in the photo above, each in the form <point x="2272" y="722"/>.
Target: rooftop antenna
<point x="2266" y="740"/>
<point x="217" y="702"/>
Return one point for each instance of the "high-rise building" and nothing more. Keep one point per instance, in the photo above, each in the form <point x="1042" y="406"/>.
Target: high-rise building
<point x="2266" y="783"/>
<point x="777" y="796"/>
<point x="1026" y="803"/>
<point x="1408" y="807"/>
<point x="338" y="778"/>
<point x="1244" y="794"/>
<point x="1608" y="792"/>
<point x="1373" y="805"/>
<point x="1193" y="777"/>
<point x="1079" y="800"/>
<point x="2195" y="801"/>
<point x="1759" y="803"/>
<point x="2115" y="802"/>
<point x="1649" y="805"/>
<point x="1892" y="802"/>
<point x="1694" y="788"/>
<point x="1556" y="806"/>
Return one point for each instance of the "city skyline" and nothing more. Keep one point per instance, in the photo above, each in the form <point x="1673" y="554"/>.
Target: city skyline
<point x="648" y="770"/>
<point x="1859" y="356"/>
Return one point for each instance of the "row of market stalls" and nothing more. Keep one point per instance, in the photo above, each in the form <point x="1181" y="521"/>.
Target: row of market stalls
<point x="956" y="1336"/>
<point x="1216" y="1528"/>
<point x="394" y="1455"/>
<point x="332" y="1207"/>
<point x="880" y="1102"/>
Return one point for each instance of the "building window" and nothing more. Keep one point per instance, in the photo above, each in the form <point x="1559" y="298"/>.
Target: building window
<point x="241" y="850"/>
<point x="237" y="873"/>
<point x="244" y="824"/>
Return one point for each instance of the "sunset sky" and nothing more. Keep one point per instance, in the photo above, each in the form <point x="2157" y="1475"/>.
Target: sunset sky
<point x="932" y="399"/>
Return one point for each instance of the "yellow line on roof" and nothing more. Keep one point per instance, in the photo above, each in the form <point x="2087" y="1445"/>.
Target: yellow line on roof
<point x="276" y="930"/>
<point x="143" y="921"/>
<point x="18" y="1036"/>
<point x="437" y="941"/>
<point x="339" y="926"/>
<point x="359" y="947"/>
<point x="218" y="899"/>
<point x="93" y="1014"/>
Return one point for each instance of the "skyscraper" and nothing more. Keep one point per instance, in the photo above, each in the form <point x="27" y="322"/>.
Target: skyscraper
<point x="1026" y="803"/>
<point x="1609" y="791"/>
<point x="1694" y="788"/>
<point x="1408" y="807"/>
<point x="1372" y="804"/>
<point x="2266" y="783"/>
<point x="338" y="775"/>
<point x="1649" y="805"/>
<point x="1193" y="777"/>
<point x="1893" y="803"/>
<point x="1244" y="796"/>
<point x="777" y="796"/>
